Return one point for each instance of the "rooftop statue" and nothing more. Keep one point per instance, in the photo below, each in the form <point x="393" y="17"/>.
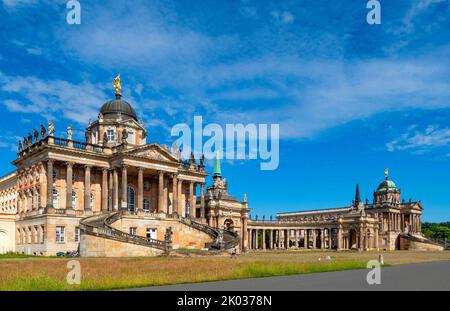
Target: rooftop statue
<point x="117" y="85"/>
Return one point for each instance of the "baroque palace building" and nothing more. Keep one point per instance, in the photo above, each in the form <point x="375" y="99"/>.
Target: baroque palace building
<point x="117" y="195"/>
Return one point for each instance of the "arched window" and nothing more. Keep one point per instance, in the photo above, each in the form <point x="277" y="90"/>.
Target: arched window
<point x="55" y="198"/>
<point x="130" y="198"/>
<point x="74" y="199"/>
<point x="91" y="201"/>
<point x="146" y="204"/>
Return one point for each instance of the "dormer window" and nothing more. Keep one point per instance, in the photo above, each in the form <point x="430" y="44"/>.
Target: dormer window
<point x="111" y="135"/>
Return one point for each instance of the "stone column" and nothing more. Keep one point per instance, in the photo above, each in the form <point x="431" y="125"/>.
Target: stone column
<point x="124" y="200"/>
<point x="140" y="195"/>
<point x="50" y="183"/>
<point x="314" y="238"/>
<point x="330" y="238"/>
<point x="339" y="239"/>
<point x="249" y="238"/>
<point x="264" y="239"/>
<point x="361" y="236"/>
<point x="191" y="199"/>
<point x="287" y="238"/>
<point x="110" y="191"/>
<point x="160" y="191"/>
<point x="389" y="221"/>
<point x="271" y="239"/>
<point x="166" y="195"/>
<point x="116" y="190"/>
<point x="175" y="209"/>
<point x="87" y="187"/>
<point x="104" y="189"/>
<point x="69" y="166"/>
<point x="181" y="210"/>
<point x="305" y="239"/>
<point x="202" y="201"/>
<point x="244" y="232"/>
<point x="376" y="237"/>
<point x="322" y="239"/>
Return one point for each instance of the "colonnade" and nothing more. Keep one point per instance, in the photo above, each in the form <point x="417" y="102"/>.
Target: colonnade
<point x="289" y="238"/>
<point x="400" y="222"/>
<point x="170" y="186"/>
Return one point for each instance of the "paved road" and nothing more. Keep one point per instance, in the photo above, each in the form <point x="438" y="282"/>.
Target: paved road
<point x="417" y="277"/>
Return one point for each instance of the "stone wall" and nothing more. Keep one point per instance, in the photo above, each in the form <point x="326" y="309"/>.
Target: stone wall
<point x="92" y="246"/>
<point x="7" y="234"/>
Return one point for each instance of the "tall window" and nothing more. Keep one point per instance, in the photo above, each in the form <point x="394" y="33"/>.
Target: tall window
<point x="91" y="201"/>
<point x="111" y="135"/>
<point x="29" y="237"/>
<point x="77" y="234"/>
<point x="42" y="233"/>
<point x="60" y="234"/>
<point x="130" y="198"/>
<point x="74" y="199"/>
<point x="146" y="204"/>
<point x="38" y="196"/>
<point x="133" y="230"/>
<point x="36" y="234"/>
<point x="32" y="201"/>
<point x="55" y="198"/>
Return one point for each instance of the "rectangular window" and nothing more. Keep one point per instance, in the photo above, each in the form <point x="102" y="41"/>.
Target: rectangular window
<point x="133" y="230"/>
<point x="111" y="136"/>
<point x="151" y="233"/>
<point x="59" y="234"/>
<point x="77" y="234"/>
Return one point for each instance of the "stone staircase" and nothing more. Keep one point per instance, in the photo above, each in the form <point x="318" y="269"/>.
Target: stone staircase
<point x="223" y="239"/>
<point x="100" y="226"/>
<point x="425" y="241"/>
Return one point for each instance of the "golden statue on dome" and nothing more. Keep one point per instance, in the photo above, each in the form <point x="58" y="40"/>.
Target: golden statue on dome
<point x="386" y="173"/>
<point x="117" y="85"/>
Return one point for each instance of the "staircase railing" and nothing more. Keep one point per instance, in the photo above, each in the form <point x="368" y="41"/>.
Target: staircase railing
<point x="229" y="238"/>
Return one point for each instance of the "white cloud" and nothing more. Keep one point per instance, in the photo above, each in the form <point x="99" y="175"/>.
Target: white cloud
<point x="421" y="141"/>
<point x="34" y="51"/>
<point x="52" y="98"/>
<point x="284" y="17"/>
<point x="16" y="3"/>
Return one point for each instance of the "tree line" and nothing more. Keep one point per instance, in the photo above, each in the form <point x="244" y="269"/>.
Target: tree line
<point x="436" y="230"/>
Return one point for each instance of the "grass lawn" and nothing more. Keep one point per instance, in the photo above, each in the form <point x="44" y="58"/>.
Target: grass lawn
<point x="114" y="273"/>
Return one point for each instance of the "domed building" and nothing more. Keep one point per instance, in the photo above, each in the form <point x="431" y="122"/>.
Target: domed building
<point x="388" y="223"/>
<point x="112" y="194"/>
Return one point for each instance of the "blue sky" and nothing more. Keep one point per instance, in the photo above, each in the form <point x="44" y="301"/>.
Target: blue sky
<point x="350" y="98"/>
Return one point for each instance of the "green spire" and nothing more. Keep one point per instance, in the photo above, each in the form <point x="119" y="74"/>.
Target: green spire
<point x="217" y="170"/>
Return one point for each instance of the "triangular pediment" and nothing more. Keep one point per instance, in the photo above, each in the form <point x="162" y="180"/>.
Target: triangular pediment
<point x="153" y="152"/>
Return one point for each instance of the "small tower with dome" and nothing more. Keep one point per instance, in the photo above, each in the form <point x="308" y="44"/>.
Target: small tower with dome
<point x="387" y="192"/>
<point x="117" y="123"/>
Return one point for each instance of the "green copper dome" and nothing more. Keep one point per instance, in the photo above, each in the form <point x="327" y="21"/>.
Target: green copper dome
<point x="387" y="185"/>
